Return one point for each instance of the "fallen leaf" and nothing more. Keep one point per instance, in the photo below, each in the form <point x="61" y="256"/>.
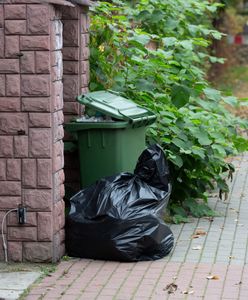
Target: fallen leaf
<point x="197" y="247"/>
<point x="213" y="277"/>
<point x="195" y="236"/>
<point x="171" y="288"/>
<point x="188" y="292"/>
<point x="200" y="232"/>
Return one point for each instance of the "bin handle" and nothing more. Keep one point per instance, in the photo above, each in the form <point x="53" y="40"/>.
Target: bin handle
<point x="145" y="120"/>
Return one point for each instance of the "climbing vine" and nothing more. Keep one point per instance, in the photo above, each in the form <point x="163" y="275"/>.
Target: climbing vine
<point x="156" y="53"/>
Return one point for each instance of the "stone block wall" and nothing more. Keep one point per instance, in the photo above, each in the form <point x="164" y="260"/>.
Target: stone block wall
<point x="34" y="96"/>
<point x="75" y="79"/>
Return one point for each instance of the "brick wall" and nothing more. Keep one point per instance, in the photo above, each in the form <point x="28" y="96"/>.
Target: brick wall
<point x="76" y="73"/>
<point x="32" y="112"/>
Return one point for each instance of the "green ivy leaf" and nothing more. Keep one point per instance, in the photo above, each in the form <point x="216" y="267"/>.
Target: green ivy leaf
<point x="141" y="38"/>
<point x="231" y="100"/>
<point x="144" y="15"/>
<point x="157" y="15"/>
<point x="193" y="29"/>
<point x="201" y="42"/>
<point x="198" y="151"/>
<point x="219" y="137"/>
<point x="169" y="41"/>
<point x="144" y="85"/>
<point x="241" y="144"/>
<point x="180" y="143"/>
<point x="201" y="135"/>
<point x="214" y="60"/>
<point x="180" y="95"/>
<point x="187" y="44"/>
<point x="203" y="139"/>
<point x="212" y="94"/>
<point x="176" y="160"/>
<point x="171" y="23"/>
<point x="216" y="35"/>
<point x="220" y="149"/>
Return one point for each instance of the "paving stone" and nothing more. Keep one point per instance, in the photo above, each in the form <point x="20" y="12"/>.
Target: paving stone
<point x="185" y="267"/>
<point x="10" y="294"/>
<point x="13" y="284"/>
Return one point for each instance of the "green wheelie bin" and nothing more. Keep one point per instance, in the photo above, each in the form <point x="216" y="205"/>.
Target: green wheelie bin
<point x="112" y="136"/>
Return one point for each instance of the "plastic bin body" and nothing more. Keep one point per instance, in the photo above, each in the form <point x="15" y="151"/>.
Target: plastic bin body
<point x="105" y="151"/>
<point x="110" y="147"/>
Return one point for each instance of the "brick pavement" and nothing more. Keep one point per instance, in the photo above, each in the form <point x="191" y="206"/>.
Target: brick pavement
<point x="222" y="253"/>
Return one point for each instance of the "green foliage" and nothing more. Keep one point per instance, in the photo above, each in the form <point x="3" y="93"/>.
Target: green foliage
<point x="232" y="2"/>
<point x="155" y="52"/>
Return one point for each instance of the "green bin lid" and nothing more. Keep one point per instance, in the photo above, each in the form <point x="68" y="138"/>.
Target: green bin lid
<point x="118" y="107"/>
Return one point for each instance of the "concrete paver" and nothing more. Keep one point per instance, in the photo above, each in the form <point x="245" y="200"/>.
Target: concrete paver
<point x="13" y="284"/>
<point x="217" y="269"/>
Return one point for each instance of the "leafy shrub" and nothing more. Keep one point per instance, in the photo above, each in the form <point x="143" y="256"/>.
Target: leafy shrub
<point x="155" y="52"/>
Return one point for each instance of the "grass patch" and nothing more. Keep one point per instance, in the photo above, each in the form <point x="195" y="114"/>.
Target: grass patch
<point x="234" y="81"/>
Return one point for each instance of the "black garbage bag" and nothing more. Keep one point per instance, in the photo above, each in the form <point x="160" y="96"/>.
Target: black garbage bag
<point x="120" y="217"/>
